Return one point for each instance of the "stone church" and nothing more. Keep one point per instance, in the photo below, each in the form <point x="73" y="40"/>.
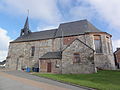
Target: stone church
<point x="73" y="47"/>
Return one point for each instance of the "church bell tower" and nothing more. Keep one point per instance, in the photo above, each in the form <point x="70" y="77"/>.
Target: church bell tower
<point x="25" y="30"/>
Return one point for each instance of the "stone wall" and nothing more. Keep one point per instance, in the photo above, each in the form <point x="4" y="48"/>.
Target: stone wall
<point x="19" y="54"/>
<point x="15" y="51"/>
<point x="105" y="60"/>
<point x="86" y="64"/>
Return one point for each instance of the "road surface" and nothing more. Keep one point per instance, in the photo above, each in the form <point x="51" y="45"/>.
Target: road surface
<point x="18" y="80"/>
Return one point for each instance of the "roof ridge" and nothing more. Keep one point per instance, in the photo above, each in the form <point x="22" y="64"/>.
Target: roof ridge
<point x="45" y="30"/>
<point x="74" y="21"/>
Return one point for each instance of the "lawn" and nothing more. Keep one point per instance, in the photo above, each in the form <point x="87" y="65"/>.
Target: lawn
<point x="103" y="80"/>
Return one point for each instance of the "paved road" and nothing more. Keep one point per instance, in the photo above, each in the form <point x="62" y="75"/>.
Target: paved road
<point x="8" y="84"/>
<point x="18" y="80"/>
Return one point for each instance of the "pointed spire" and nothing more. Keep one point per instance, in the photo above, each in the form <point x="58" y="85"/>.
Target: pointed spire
<point x="26" y="26"/>
<point x="26" y="29"/>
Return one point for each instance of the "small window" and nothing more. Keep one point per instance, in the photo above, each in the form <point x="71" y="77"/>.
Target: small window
<point x="98" y="45"/>
<point x="76" y="58"/>
<point x="32" y="50"/>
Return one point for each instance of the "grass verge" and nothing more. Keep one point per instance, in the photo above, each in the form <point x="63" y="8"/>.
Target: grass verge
<point x="103" y="80"/>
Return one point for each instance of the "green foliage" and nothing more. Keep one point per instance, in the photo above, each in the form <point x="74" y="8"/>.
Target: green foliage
<point x="103" y="80"/>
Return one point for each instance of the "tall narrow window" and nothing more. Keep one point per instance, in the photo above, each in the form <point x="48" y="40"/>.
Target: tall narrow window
<point x="98" y="45"/>
<point x="108" y="44"/>
<point x="32" y="50"/>
<point x="76" y="58"/>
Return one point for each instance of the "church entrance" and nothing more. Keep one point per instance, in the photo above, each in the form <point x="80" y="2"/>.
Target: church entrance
<point x="49" y="67"/>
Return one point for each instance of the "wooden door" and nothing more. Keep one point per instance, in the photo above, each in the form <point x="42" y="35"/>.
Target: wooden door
<point x="48" y="67"/>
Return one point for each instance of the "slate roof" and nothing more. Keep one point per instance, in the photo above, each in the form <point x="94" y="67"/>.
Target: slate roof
<point x="64" y="29"/>
<point x="36" y="36"/>
<point x="76" y="28"/>
<point x="52" y="55"/>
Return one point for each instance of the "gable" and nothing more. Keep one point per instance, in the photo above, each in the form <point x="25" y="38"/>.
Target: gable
<point x="79" y="41"/>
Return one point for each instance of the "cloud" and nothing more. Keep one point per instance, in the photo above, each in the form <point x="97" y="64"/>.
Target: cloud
<point x="102" y="10"/>
<point x="77" y="9"/>
<point x="3" y="55"/>
<point x="39" y="9"/>
<point x="4" y="42"/>
<point x="55" y="11"/>
<point x="82" y="12"/>
<point x="108" y="10"/>
<point x="65" y="3"/>
<point x="116" y="44"/>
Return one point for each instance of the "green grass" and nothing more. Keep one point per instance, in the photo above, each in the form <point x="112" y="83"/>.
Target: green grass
<point x="103" y="80"/>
